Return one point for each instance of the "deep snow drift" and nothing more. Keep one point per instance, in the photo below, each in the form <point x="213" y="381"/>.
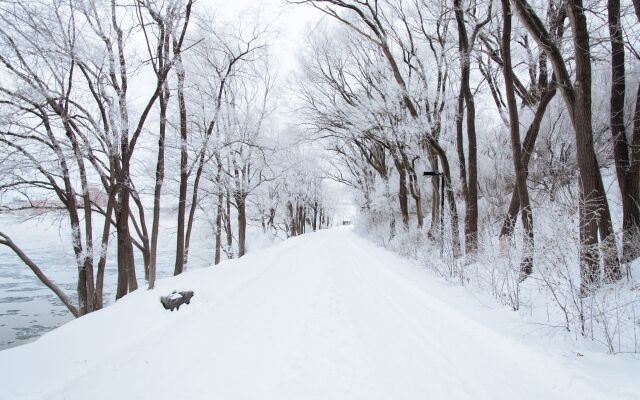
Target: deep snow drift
<point x="323" y="316"/>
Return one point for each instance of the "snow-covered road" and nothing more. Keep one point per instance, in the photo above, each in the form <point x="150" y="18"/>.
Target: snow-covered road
<point x="323" y="316"/>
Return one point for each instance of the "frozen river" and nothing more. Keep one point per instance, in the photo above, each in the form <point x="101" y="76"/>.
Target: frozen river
<point x="28" y="308"/>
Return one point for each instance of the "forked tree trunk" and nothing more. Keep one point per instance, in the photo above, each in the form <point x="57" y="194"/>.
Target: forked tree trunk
<point x="528" y="148"/>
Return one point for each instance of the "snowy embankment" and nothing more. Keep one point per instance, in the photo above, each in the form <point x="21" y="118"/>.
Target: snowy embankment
<point x="326" y="315"/>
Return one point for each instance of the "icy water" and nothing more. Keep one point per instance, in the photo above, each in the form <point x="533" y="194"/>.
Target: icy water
<point x="29" y="309"/>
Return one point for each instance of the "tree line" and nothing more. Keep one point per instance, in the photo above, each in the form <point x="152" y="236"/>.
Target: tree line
<point x="101" y="101"/>
<point x="394" y="88"/>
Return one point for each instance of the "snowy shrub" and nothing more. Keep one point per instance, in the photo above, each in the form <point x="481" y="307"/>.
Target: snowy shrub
<point x="610" y="317"/>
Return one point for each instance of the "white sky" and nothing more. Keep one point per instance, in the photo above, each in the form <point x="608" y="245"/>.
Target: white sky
<point x="291" y="21"/>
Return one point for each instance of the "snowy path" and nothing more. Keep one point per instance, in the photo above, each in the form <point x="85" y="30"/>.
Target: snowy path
<point x="323" y="316"/>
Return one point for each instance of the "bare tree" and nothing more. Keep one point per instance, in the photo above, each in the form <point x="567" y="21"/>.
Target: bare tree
<point x="465" y="46"/>
<point x="625" y="155"/>
<point x="369" y="24"/>
<point x="516" y="146"/>
<point x="594" y="209"/>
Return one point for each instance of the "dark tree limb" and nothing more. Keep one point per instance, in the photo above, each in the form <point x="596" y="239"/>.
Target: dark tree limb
<point x="6" y="241"/>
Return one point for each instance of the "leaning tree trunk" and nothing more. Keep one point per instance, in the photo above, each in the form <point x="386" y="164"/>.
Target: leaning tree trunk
<point x="194" y="205"/>
<point x="6" y="241"/>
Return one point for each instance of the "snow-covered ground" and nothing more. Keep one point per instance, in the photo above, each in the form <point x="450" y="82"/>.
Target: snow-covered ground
<point x="28" y="308"/>
<point x="324" y="316"/>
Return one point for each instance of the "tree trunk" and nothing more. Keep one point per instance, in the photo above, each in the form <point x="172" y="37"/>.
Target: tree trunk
<point x="157" y="192"/>
<point x="143" y="234"/>
<point x="594" y="207"/>
<point x="218" y="243"/>
<point x="194" y="204"/>
<point x="451" y="200"/>
<point x="526" y="266"/>
<point x="434" y="229"/>
<point x="471" y="198"/>
<point x="402" y="198"/>
<point x="414" y="188"/>
<point x="292" y="224"/>
<point x="315" y="216"/>
<point x="227" y="228"/>
<point x="628" y="186"/>
<point x="462" y="164"/>
<point x="102" y="262"/>
<point x="126" y="265"/>
<point x="219" y="211"/>
<point x="242" y="223"/>
<point x="182" y="194"/>
<point x="633" y="189"/>
<point x="403" y="193"/>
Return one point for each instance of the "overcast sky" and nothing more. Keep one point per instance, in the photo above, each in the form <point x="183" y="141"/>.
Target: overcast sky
<point x="291" y="21"/>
